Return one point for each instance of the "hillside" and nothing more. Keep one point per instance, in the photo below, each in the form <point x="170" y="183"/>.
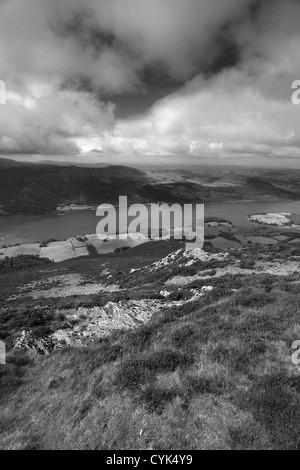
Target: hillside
<point x="38" y="189"/>
<point x="9" y="163"/>
<point x="41" y="188"/>
<point x="153" y="348"/>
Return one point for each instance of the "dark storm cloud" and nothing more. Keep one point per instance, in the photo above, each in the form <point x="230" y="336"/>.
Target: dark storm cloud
<point x="110" y="42"/>
<point x="231" y="62"/>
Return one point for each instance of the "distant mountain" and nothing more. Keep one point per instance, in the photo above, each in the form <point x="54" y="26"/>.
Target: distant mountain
<point x="27" y="188"/>
<point x="39" y="189"/>
<point x="65" y="163"/>
<point x="266" y="187"/>
<point x="8" y="163"/>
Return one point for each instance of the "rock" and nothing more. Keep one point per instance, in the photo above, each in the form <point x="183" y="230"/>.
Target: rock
<point x="165" y="293"/>
<point x="28" y="342"/>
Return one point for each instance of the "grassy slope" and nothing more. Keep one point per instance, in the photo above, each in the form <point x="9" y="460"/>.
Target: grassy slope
<point x="216" y="373"/>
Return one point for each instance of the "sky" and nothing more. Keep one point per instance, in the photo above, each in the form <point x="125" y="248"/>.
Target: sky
<point x="150" y="81"/>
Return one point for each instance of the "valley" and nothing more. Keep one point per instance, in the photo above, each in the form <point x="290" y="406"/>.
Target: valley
<point x="39" y="189"/>
<point x="152" y="346"/>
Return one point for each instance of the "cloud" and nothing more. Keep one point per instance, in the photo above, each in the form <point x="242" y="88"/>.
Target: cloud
<point x="108" y="42"/>
<point x="222" y="117"/>
<point x="236" y="60"/>
<point x="52" y="123"/>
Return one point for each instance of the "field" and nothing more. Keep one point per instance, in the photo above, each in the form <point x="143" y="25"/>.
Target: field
<point x="63" y="250"/>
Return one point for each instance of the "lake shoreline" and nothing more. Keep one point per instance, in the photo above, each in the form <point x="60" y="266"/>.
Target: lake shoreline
<point x="26" y="230"/>
<point x="66" y="209"/>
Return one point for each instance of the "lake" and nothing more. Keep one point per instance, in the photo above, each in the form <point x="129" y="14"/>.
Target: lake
<point x="31" y="229"/>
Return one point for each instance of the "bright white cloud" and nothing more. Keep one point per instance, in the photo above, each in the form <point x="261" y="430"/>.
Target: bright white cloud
<point x="51" y="123"/>
<point x="226" y="116"/>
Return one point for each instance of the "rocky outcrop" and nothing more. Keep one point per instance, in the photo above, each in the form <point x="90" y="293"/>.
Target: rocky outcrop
<point x="98" y="322"/>
<point x="188" y="258"/>
<point x="27" y="342"/>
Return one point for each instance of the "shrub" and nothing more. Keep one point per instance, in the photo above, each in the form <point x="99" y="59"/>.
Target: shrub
<point x="139" y="339"/>
<point x="121" y="249"/>
<point x="81" y="239"/>
<point x="202" y="385"/>
<point x="91" y="250"/>
<point x="248" y="298"/>
<point x="247" y="264"/>
<point x="133" y="372"/>
<point x="229" y="236"/>
<point x="166" y="360"/>
<point x="156" y="399"/>
<point x="22" y="262"/>
<point x="182" y="335"/>
<point x="45" y="243"/>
